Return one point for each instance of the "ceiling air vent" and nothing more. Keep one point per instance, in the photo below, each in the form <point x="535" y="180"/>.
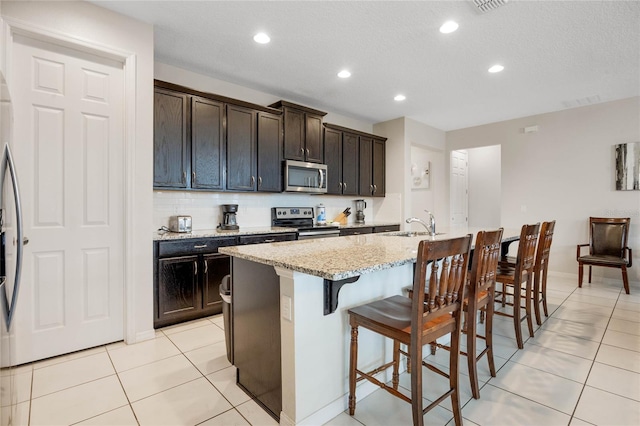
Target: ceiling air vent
<point x="488" y="5"/>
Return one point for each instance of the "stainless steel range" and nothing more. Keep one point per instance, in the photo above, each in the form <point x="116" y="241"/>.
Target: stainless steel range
<point x="301" y="218"/>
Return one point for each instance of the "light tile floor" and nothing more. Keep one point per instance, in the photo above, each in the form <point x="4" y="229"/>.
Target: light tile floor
<point x="582" y="367"/>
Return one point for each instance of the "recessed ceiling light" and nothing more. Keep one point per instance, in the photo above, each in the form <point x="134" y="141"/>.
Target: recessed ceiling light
<point x="399" y="98"/>
<point x="344" y="74"/>
<point x="261" y="38"/>
<point x="496" y="68"/>
<point x="449" y="27"/>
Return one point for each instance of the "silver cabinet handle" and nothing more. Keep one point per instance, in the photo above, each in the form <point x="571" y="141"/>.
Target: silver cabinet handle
<point x="259" y="181"/>
<point x="345" y="186"/>
<point x="253" y="180"/>
<point x="184" y="177"/>
<point x="270" y="240"/>
<point x="308" y="152"/>
<point x="200" y="246"/>
<point x="193" y="176"/>
<point x="375" y="189"/>
<point x="340" y="186"/>
<point x="371" y="188"/>
<point x="302" y="151"/>
<point x="195" y="264"/>
<point x="206" y="267"/>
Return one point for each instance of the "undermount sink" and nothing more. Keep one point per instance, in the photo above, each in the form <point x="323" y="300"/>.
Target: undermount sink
<point x="412" y="234"/>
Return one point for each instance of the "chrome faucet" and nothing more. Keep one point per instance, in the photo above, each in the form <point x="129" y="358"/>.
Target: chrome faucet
<point x="431" y="228"/>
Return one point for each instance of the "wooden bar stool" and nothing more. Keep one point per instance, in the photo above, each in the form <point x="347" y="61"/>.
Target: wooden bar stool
<point x="519" y="277"/>
<point x="418" y="321"/>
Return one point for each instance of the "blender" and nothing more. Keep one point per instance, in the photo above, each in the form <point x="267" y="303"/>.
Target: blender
<point x="360" y="206"/>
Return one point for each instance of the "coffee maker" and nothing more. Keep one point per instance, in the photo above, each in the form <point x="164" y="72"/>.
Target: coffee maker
<point x="229" y="217"/>
<point x="360" y="206"/>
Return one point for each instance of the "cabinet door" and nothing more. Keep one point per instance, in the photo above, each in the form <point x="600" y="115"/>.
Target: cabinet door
<point x="293" y="134"/>
<point x="333" y="160"/>
<point x="170" y="143"/>
<point x="178" y="294"/>
<point x="241" y="148"/>
<point x="269" y="152"/>
<point x="313" y="138"/>
<point x="349" y="164"/>
<point x="215" y="267"/>
<point x="378" y="165"/>
<point x="365" y="183"/>
<point x="207" y="144"/>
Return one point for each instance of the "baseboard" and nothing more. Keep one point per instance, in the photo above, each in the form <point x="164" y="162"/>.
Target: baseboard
<point x="144" y="335"/>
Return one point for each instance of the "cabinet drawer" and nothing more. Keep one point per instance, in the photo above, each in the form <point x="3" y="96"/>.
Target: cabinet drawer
<point x="386" y="228"/>
<point x="266" y="238"/>
<point x="356" y="231"/>
<point x="194" y="246"/>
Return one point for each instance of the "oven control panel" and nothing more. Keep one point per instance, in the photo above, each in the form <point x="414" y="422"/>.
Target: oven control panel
<point x="292" y="213"/>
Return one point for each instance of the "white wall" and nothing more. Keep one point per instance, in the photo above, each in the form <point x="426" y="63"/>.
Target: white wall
<point x="565" y="171"/>
<point x="88" y="23"/>
<point x="402" y="134"/>
<point x="484" y="187"/>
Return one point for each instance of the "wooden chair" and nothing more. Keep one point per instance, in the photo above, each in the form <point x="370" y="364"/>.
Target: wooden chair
<point x="607" y="247"/>
<point x="418" y="321"/>
<point x="540" y="269"/>
<point x="519" y="277"/>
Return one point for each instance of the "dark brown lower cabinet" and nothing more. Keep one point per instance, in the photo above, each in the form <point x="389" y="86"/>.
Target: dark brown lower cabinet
<point x="188" y="287"/>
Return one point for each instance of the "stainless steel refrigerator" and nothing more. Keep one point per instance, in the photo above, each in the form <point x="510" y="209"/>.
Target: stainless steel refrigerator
<point x="11" y="245"/>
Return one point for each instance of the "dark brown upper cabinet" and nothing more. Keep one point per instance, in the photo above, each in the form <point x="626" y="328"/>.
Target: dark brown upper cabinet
<point x="269" y="152"/>
<point x="372" y="164"/>
<point x="241" y="149"/>
<point x="207" y="144"/>
<point x="171" y="166"/>
<point x="355" y="162"/>
<point x="303" y="139"/>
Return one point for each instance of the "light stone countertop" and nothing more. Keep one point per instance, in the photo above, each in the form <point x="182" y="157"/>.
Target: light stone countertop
<point x="346" y="257"/>
<point x="206" y="233"/>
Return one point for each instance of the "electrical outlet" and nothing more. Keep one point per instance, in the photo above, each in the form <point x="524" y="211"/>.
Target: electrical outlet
<point x="285" y="307"/>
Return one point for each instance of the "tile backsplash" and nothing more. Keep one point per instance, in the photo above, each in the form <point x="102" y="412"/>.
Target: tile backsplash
<point x="254" y="209"/>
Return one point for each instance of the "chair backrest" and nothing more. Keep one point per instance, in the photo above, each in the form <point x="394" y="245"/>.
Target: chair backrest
<point x="608" y="235"/>
<point x="486" y="254"/>
<point x="444" y="285"/>
<point x="544" y="244"/>
<point x="527" y="249"/>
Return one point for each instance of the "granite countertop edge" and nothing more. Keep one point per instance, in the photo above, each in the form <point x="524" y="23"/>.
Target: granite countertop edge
<point x="210" y="233"/>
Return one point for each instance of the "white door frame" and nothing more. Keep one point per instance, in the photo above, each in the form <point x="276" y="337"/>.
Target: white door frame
<point x="10" y="27"/>
<point x="453" y="188"/>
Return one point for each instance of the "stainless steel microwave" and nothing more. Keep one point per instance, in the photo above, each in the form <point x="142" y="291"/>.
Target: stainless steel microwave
<point x="305" y="177"/>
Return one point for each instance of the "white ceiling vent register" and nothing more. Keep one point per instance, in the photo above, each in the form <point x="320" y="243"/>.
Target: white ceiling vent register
<point x="488" y="5"/>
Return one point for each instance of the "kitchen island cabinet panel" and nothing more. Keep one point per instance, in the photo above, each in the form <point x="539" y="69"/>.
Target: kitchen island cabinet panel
<point x="170" y="139"/>
<point x="207" y="144"/>
<point x="256" y="332"/>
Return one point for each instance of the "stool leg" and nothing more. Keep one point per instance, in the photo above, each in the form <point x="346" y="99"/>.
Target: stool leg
<point x="527" y="306"/>
<point x="516" y="317"/>
<point x="396" y="364"/>
<point x="536" y="298"/>
<point x="544" y="290"/>
<point x="580" y="273"/>
<point x="353" y="364"/>
<point x="589" y="274"/>
<point x="471" y="358"/>
<point x="488" y="333"/>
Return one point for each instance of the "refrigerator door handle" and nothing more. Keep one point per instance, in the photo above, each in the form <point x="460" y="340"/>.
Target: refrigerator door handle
<point x="9" y="307"/>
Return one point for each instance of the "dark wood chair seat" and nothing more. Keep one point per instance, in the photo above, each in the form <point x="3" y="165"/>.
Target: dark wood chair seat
<point x="607" y="247"/>
<point x="441" y="268"/>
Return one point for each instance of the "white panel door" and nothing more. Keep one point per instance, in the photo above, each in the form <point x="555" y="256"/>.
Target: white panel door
<point x="459" y="184"/>
<point x="68" y="148"/>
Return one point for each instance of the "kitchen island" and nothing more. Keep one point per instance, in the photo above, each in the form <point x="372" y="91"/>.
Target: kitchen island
<point x="280" y="295"/>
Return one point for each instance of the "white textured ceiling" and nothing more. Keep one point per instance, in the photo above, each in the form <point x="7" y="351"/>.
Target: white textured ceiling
<point x="557" y="54"/>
